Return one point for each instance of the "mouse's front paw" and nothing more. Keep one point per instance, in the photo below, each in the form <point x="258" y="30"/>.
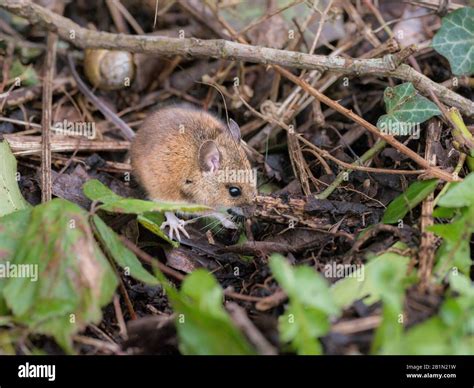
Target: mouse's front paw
<point x="175" y="224"/>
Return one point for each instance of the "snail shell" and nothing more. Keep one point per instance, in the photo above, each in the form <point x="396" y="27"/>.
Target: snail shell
<point x="109" y="70"/>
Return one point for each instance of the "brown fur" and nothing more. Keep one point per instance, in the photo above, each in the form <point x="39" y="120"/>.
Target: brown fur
<point x="165" y="158"/>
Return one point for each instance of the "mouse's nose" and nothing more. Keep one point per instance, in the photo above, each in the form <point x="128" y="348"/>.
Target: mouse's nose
<point x="235" y="211"/>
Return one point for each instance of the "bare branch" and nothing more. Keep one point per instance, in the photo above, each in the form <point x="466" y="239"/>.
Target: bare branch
<point x="224" y="49"/>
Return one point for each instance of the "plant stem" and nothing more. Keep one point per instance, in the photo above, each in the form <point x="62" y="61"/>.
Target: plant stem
<point x="369" y="154"/>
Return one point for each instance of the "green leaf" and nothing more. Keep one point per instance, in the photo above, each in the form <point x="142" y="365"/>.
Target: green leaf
<point x="451" y="332"/>
<point x="268" y="188"/>
<point x="367" y="287"/>
<point x="242" y="240"/>
<point x="114" y="203"/>
<point x="12" y="227"/>
<point x="405" y="110"/>
<point x="458" y="311"/>
<point x="310" y="306"/>
<point x="29" y="54"/>
<point x="204" y="327"/>
<point x="139" y="206"/>
<point x="97" y="191"/>
<point x="8" y="340"/>
<point x="444" y="212"/>
<point x="462" y="285"/>
<point x="408" y="200"/>
<point x="10" y="195"/>
<point x="303" y="284"/>
<point x="460" y="194"/>
<point x="384" y="278"/>
<point x="451" y="312"/>
<point x="388" y="278"/>
<point x="149" y="212"/>
<point x="455" y="250"/>
<point x="27" y="74"/>
<point x="152" y="222"/>
<point x="427" y="338"/>
<point x="455" y="40"/>
<point x="301" y="326"/>
<point x="73" y="278"/>
<point x="125" y="258"/>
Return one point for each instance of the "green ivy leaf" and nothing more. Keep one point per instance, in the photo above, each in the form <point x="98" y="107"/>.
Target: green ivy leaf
<point x="125" y="258"/>
<point x="10" y="195"/>
<point x="310" y="306"/>
<point x="73" y="278"/>
<point x="203" y="325"/>
<point x="405" y="110"/>
<point x="408" y="200"/>
<point x="455" y="40"/>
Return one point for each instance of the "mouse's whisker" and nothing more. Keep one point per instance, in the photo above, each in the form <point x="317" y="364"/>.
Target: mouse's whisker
<point x="198" y="217"/>
<point x="212" y="224"/>
<point x="221" y="229"/>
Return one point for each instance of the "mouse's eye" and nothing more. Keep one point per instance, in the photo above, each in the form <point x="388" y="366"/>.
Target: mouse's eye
<point x="234" y="191"/>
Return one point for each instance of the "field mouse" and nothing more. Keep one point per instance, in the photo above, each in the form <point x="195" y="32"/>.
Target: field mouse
<point x="185" y="154"/>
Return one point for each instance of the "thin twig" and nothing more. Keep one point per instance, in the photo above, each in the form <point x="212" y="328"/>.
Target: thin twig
<point x="357" y="325"/>
<point x="274" y="300"/>
<point x="243" y="322"/>
<point x="120" y="318"/>
<point x="105" y="347"/>
<point x="343" y="175"/>
<point x="224" y="49"/>
<point x="117" y="17"/>
<point x="177" y="275"/>
<point x="7" y="62"/>
<point x="28" y="145"/>
<point x="49" y="67"/>
<point x="427" y="249"/>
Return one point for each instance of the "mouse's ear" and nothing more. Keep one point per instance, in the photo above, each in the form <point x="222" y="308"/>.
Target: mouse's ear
<point x="234" y="130"/>
<point x="209" y="156"/>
